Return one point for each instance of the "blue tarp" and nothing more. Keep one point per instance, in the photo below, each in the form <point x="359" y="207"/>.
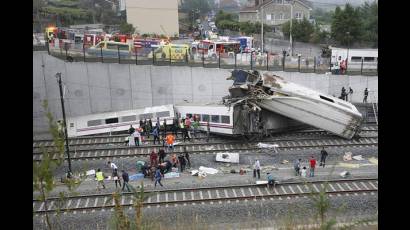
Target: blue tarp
<point x="136" y="176"/>
<point x="239" y="77"/>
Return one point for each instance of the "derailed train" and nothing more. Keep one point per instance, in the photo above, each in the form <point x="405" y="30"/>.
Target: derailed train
<point x="257" y="105"/>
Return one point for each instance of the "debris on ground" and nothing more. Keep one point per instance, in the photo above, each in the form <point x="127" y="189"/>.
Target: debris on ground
<point x="227" y="157"/>
<point x="171" y="175"/>
<point x="268" y="146"/>
<point x="347" y="165"/>
<point x="345" y="174"/>
<point x="208" y="170"/>
<point x="233" y="171"/>
<point x="90" y="172"/>
<point x="194" y="172"/>
<point x="284" y="162"/>
<point x="261" y="182"/>
<point x="347" y="156"/>
<point x="374" y="160"/>
<point x="358" y="157"/>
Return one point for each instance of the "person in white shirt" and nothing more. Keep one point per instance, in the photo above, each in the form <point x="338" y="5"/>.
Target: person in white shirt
<point x="303" y="172"/>
<point x="137" y="137"/>
<point x="257" y="169"/>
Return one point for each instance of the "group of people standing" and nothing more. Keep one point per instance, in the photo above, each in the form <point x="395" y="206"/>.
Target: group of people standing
<point x="302" y="171"/>
<point x="344" y="94"/>
<point x="117" y="179"/>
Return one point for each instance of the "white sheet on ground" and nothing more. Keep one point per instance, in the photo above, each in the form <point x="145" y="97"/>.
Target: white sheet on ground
<point x="90" y="172"/>
<point x="263" y="145"/>
<point x="358" y="158"/>
<point x="227" y="157"/>
<point x="261" y="182"/>
<point x="208" y="170"/>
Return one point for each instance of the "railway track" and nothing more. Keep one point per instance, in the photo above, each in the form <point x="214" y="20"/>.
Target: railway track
<point x="202" y="195"/>
<point x="98" y="141"/>
<point x="212" y="148"/>
<point x="107" y="141"/>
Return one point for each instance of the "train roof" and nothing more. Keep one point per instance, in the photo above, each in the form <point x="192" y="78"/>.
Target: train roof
<point x="205" y="104"/>
<point x="152" y="109"/>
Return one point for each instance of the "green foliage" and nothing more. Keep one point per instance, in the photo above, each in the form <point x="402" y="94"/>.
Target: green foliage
<point x="369" y="19"/>
<point x="43" y="178"/>
<point x="345" y="25"/>
<point x="302" y="30"/>
<point x="321" y="16"/>
<point x="126" y="28"/>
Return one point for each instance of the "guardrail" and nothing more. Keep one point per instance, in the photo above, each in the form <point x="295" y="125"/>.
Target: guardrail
<point x="76" y="52"/>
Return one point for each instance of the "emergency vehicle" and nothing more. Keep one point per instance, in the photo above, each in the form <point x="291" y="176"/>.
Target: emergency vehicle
<point x="178" y="52"/>
<point x="112" y="49"/>
<point x="144" y="46"/>
<point x="211" y="49"/>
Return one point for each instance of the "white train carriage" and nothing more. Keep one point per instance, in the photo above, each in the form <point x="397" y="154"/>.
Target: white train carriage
<point x="356" y="58"/>
<point x="220" y="117"/>
<point x="311" y="107"/>
<point x="235" y="119"/>
<point x="117" y="121"/>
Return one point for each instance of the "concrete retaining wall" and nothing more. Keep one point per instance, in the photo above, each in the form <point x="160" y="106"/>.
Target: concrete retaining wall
<point x="101" y="87"/>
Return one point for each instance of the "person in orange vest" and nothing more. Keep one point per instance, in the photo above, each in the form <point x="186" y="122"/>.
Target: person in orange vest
<point x="170" y="142"/>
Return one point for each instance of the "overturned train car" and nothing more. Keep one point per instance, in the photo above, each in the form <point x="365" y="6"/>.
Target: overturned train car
<point x="293" y="101"/>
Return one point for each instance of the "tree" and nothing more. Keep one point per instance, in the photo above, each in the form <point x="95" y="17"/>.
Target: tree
<point x="346" y="21"/>
<point x="126" y="28"/>
<point x="43" y="178"/>
<point x="301" y="30"/>
<point x="369" y="19"/>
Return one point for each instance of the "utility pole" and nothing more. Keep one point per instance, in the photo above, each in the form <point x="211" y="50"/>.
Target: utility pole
<point x="262" y="28"/>
<point x="348" y="46"/>
<point x="290" y="31"/>
<point x="58" y="76"/>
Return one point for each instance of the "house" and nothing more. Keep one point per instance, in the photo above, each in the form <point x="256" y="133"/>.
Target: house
<point x="153" y="17"/>
<point x="275" y="12"/>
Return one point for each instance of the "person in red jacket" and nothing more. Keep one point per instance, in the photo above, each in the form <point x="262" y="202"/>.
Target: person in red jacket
<point x="312" y="166"/>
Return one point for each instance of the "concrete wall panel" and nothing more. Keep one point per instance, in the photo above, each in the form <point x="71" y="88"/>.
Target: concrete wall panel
<point x="102" y="87"/>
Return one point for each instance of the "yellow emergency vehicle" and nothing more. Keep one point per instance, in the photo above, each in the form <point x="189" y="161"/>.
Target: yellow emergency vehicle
<point x="178" y="52"/>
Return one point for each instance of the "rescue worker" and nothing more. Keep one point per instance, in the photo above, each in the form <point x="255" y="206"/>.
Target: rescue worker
<point x="174" y="161"/>
<point x="100" y="179"/>
<point x="116" y="178"/>
<point x="271" y="180"/>
<point x="366" y="93"/>
<point x="351" y="93"/>
<point x="343" y="94"/>
<point x="125" y="179"/>
<point x="131" y="130"/>
<point x="153" y="158"/>
<point x="170" y="142"/>
<point x="165" y="167"/>
<point x="323" y="155"/>
<point x="162" y="155"/>
<point x="208" y="130"/>
<point x="257" y="169"/>
<point x="297" y="167"/>
<point x="182" y="162"/>
<point x="158" y="176"/>
<point x="155" y="133"/>
<point x="195" y="125"/>
<point x="187" y="157"/>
